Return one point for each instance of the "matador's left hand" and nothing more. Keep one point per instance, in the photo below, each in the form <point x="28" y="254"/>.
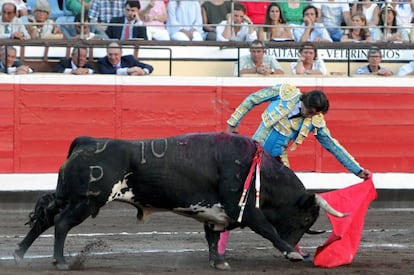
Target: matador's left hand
<point x="231" y="129"/>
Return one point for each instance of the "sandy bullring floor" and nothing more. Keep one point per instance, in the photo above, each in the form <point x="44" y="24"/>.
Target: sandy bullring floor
<point x="115" y="242"/>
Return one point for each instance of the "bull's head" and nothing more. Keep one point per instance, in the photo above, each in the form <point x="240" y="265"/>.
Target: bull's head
<point x="299" y="217"/>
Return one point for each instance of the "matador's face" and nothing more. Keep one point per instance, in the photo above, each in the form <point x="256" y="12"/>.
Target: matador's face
<point x="308" y="112"/>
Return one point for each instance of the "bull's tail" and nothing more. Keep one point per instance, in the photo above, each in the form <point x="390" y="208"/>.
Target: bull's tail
<point x="48" y="206"/>
<point x="44" y="212"/>
<point x="40" y="220"/>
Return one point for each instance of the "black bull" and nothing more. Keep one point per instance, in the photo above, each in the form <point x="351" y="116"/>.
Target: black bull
<point x="196" y="175"/>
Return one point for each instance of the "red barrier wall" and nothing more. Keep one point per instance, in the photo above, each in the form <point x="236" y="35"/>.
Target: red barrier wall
<point x="38" y="120"/>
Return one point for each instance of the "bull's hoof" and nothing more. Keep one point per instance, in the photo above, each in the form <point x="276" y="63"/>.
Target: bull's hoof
<point x="220" y="265"/>
<point x="18" y="255"/>
<point x="294" y="256"/>
<point x="308" y="258"/>
<point x="301" y="252"/>
<point x="61" y="265"/>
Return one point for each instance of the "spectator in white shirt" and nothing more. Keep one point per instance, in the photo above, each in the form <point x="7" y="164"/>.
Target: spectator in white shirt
<point x="308" y="62"/>
<point x="311" y="30"/>
<point x="9" y="64"/>
<point x="334" y="14"/>
<point x="154" y="15"/>
<point x="11" y="26"/>
<point x="407" y="69"/>
<point x="184" y="20"/>
<point x="241" y="29"/>
<point x="257" y="62"/>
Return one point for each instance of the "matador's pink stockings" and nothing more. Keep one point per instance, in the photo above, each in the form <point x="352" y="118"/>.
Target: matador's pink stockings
<point x="222" y="243"/>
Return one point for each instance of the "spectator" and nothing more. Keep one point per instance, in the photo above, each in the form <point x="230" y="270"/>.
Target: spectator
<point x="75" y="6"/>
<point x="387" y="30"/>
<point x="21" y="8"/>
<point x="184" y="20"/>
<point x="276" y="27"/>
<point x="373" y="67"/>
<point x="102" y="11"/>
<point x="128" y="26"/>
<point x="39" y="25"/>
<point x="11" y="26"/>
<point x="116" y="63"/>
<point x="77" y="64"/>
<point x="311" y="30"/>
<point x="256" y="11"/>
<point x="213" y="12"/>
<point x="333" y="14"/>
<point x="407" y="69"/>
<point x="154" y="15"/>
<point x="90" y="31"/>
<point x="404" y="12"/>
<point x="359" y="31"/>
<point x="293" y="11"/>
<point x="257" y="62"/>
<point x="241" y="29"/>
<point x="370" y="9"/>
<point x="9" y="64"/>
<point x="308" y="63"/>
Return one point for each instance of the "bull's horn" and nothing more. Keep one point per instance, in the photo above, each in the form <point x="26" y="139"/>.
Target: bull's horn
<point x="315" y="232"/>
<point x="325" y="205"/>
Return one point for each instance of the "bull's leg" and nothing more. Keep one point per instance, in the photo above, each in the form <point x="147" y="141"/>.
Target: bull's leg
<point x="40" y="220"/>
<point x="24" y="245"/>
<point x="216" y="260"/>
<point x="73" y="215"/>
<point x="255" y="219"/>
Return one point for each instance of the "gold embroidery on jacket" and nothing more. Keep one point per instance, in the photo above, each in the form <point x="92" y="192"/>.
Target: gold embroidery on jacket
<point x="303" y="133"/>
<point x="288" y="92"/>
<point x="284" y="158"/>
<point x="318" y="121"/>
<point x="289" y="97"/>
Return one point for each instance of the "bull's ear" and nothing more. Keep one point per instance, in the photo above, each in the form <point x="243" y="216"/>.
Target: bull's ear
<point x="306" y="200"/>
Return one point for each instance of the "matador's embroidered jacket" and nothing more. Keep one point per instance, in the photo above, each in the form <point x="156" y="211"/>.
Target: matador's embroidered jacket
<point x="277" y="129"/>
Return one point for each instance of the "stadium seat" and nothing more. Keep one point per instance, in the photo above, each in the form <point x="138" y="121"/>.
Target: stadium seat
<point x="30" y="5"/>
<point x="66" y="12"/>
<point x="55" y="11"/>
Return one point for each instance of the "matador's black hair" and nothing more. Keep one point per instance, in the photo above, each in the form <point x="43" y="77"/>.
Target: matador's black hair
<point x="317" y="100"/>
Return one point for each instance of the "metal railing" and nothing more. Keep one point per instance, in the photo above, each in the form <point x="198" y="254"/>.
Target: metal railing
<point x="379" y="3"/>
